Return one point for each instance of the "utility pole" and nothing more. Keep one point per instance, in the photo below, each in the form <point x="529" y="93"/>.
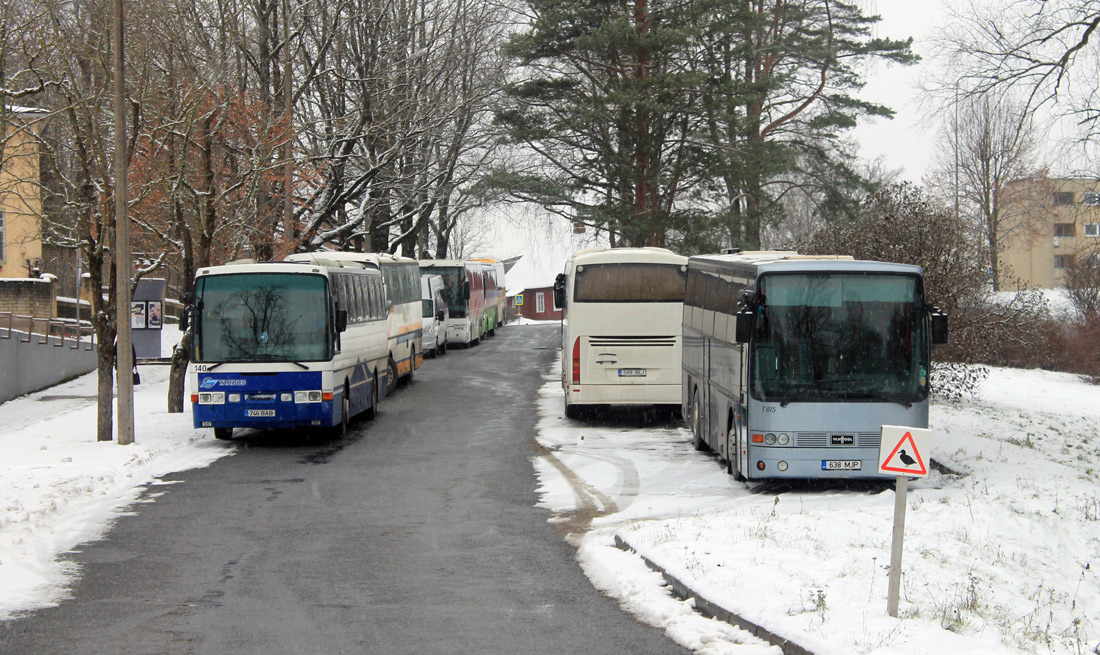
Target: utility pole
<point x="124" y="360"/>
<point x="288" y="151"/>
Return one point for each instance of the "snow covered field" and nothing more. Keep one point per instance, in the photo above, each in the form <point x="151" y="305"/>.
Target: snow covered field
<point x="998" y="559"/>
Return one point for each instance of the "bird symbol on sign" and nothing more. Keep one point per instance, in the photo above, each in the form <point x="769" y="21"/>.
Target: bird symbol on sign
<point x="906" y="459"/>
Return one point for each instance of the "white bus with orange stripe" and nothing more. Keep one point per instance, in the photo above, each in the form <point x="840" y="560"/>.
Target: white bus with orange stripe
<point x="621" y="313"/>
<point x="401" y="277"/>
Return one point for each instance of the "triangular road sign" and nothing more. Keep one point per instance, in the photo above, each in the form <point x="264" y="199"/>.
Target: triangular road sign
<point x="905" y="456"/>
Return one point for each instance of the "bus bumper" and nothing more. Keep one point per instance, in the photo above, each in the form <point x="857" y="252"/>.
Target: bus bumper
<point x="267" y="415"/>
<point x="623" y="394"/>
<point x="790" y="463"/>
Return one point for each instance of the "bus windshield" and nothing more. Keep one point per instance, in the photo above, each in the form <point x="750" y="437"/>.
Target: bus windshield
<point x="453" y="277"/>
<point x="629" y="283"/>
<point x="832" y="336"/>
<point x="261" y="317"/>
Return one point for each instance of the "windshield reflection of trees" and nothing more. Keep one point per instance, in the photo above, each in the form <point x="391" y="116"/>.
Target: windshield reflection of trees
<point x="267" y="323"/>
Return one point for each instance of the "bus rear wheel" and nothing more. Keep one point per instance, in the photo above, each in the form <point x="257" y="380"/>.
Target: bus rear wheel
<point x="391" y="376"/>
<point x="223" y="433"/>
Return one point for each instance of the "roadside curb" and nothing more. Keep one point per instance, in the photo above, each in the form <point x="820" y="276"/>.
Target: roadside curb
<point x="712" y="609"/>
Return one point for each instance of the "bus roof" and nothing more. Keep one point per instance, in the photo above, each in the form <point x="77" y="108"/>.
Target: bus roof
<point x="429" y="263"/>
<point x="319" y="265"/>
<point x="613" y="255"/>
<point x="773" y="261"/>
<point x="372" y="258"/>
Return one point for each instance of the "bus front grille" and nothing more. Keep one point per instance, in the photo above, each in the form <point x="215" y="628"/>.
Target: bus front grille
<point x="823" y="440"/>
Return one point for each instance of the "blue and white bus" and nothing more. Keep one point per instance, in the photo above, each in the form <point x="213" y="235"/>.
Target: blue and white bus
<point x="401" y="278"/>
<point x="280" y="345"/>
<point x="792" y="364"/>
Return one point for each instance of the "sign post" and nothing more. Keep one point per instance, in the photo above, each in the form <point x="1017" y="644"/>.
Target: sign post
<point x="900" y="453"/>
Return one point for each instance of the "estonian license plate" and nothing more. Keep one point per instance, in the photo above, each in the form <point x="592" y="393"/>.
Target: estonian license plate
<point x="841" y="465"/>
<point x="632" y="372"/>
<point x="261" y="413"/>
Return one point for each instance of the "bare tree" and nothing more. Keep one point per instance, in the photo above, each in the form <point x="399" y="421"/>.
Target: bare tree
<point x="1042" y="51"/>
<point x="989" y="144"/>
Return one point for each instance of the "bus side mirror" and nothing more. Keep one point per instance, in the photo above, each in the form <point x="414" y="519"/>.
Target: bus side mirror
<point x="559" y="290"/>
<point x="185" y="313"/>
<point x="341" y="320"/>
<point x="939" y="327"/>
<point x="744" y="326"/>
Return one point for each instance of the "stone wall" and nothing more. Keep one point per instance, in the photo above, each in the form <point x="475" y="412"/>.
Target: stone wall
<point x="29" y="297"/>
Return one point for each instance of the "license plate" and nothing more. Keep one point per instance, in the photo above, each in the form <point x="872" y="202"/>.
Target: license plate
<point x="261" y="413"/>
<point x="632" y="372"/>
<point x="841" y="465"/>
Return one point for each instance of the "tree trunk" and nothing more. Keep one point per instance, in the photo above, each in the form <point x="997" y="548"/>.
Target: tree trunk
<point x="177" y="374"/>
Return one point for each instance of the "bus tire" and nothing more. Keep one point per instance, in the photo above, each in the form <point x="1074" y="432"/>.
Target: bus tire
<point x="733" y="453"/>
<point x="372" y="411"/>
<point x="345" y="417"/>
<point x="391" y="376"/>
<point x="572" y="411"/>
<point x="223" y="433"/>
<point x="696" y="424"/>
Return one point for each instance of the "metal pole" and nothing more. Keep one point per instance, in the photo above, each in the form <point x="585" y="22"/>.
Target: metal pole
<point x="124" y="364"/>
<point x="900" y="492"/>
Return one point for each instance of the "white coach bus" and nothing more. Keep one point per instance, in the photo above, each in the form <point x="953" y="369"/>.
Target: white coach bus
<point x="401" y="277"/>
<point x="621" y="311"/>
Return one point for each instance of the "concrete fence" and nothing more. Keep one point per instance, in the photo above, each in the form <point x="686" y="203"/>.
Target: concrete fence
<point x="36" y="353"/>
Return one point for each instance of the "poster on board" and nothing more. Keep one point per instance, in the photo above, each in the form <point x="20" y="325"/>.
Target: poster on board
<point x="137" y="315"/>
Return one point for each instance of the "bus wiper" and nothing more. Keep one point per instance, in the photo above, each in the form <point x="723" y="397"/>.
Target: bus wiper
<point x="273" y="358"/>
<point x="211" y="367"/>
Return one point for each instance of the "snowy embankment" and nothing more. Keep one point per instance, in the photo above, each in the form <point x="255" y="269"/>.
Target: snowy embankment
<point x="998" y="558"/>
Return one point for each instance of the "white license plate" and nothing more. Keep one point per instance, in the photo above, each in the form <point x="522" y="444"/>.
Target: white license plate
<point x="262" y="413"/>
<point x="841" y="465"/>
<point x="632" y="372"/>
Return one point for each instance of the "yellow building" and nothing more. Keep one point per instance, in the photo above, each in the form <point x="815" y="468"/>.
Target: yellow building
<point x="1046" y="227"/>
<point x="20" y="192"/>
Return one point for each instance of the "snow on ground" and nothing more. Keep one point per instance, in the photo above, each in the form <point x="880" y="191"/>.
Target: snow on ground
<point x="59" y="487"/>
<point x="997" y="559"/>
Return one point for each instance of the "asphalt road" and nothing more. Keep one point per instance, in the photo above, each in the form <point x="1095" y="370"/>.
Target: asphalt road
<point x="416" y="534"/>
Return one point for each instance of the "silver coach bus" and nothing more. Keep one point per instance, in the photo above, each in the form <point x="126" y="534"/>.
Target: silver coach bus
<point x="791" y="364"/>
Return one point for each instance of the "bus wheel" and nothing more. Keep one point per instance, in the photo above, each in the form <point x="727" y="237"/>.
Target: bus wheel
<point x="223" y="433"/>
<point x="373" y="410"/>
<point x="391" y="376"/>
<point x="732" y="453"/>
<point x="345" y="418"/>
<point x="697" y="424"/>
<point x="572" y="411"/>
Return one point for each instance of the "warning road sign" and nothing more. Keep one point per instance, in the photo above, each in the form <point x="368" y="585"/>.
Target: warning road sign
<point x="903" y="451"/>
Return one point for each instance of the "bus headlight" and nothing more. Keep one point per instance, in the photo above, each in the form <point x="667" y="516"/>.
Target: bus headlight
<point x="286" y="397"/>
<point x="769" y="439"/>
<point x="234" y="397"/>
<point x="212" y="398"/>
<point x="782" y="466"/>
<point x="307" y="396"/>
<point x="784" y="440"/>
